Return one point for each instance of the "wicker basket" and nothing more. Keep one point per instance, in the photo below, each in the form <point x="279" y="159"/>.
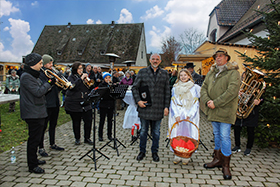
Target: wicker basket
<point x="185" y="138"/>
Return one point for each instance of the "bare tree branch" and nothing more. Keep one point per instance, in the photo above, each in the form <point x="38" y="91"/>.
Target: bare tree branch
<point x="191" y="39"/>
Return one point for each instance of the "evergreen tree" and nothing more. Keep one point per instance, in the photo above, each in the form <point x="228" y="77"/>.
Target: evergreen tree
<point x="268" y="60"/>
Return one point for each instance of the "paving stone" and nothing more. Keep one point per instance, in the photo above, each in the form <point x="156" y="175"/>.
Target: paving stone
<point x="64" y="168"/>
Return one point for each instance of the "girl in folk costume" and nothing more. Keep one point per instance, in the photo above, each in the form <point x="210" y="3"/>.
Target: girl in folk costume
<point x="184" y="105"/>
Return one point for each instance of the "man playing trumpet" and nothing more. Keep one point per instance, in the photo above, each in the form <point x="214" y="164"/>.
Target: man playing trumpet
<point x="52" y="107"/>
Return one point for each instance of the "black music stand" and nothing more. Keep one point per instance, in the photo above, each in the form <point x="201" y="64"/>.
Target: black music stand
<point x="93" y="97"/>
<point x="117" y="92"/>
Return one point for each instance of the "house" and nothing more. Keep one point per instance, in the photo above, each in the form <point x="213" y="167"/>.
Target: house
<point x="227" y="23"/>
<point x="90" y="43"/>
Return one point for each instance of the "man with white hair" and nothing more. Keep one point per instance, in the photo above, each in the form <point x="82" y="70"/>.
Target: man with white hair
<point x="156" y="81"/>
<point x="96" y="75"/>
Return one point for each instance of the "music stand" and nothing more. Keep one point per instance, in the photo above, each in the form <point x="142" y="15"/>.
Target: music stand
<point x="93" y="97"/>
<point x="117" y="92"/>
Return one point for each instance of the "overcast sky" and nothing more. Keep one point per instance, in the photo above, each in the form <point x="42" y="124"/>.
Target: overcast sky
<point x="22" y="21"/>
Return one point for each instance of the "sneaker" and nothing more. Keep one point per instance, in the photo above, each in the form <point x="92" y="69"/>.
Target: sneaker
<point x="88" y="141"/>
<point x="236" y="149"/>
<point x="42" y="152"/>
<point x="247" y="152"/>
<point x="77" y="142"/>
<point x="41" y="162"/>
<point x="55" y="147"/>
<point x="37" y="170"/>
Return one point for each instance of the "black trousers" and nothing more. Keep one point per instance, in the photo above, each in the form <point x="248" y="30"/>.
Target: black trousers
<point x="52" y="118"/>
<point x="250" y="134"/>
<point x="109" y="112"/>
<point x="35" y="131"/>
<point x="76" y="122"/>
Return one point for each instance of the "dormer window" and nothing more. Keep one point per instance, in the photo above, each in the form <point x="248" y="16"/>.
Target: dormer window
<point x="213" y="35"/>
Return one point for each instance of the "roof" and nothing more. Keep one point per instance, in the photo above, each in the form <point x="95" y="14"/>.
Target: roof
<point x="228" y="12"/>
<point x="248" y="20"/>
<point x="90" y="42"/>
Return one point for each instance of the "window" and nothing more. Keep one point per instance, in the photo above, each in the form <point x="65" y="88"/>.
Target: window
<point x="213" y="35"/>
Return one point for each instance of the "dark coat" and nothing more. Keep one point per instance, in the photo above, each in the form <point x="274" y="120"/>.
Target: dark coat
<point x="75" y="96"/>
<point x="197" y="78"/>
<point x="106" y="101"/>
<point x="172" y="81"/>
<point x="52" y="94"/>
<point x="32" y="97"/>
<point x="251" y="120"/>
<point x="115" y="80"/>
<point x="159" y="91"/>
<point x="95" y="77"/>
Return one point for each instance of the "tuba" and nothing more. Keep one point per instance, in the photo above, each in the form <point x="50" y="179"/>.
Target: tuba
<point x="61" y="81"/>
<point x="251" y="88"/>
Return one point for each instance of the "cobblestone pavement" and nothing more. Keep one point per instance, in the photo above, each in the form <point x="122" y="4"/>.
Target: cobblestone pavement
<point x="261" y="168"/>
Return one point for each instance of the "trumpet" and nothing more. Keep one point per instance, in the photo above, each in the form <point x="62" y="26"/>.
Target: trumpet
<point x="88" y="82"/>
<point x="61" y="81"/>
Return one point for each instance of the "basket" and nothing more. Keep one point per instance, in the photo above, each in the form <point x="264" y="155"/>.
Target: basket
<point x="186" y="139"/>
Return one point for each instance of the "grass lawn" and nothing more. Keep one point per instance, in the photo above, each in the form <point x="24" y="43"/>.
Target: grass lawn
<point x="15" y="130"/>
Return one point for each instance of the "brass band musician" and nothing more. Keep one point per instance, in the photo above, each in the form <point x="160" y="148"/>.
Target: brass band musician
<point x="52" y="107"/>
<point x="250" y="123"/>
<point x="73" y="106"/>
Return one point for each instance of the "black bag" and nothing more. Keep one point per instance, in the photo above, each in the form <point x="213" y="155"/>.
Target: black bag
<point x="145" y="95"/>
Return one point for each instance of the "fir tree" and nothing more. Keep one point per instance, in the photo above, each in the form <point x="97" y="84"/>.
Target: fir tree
<point x="268" y="60"/>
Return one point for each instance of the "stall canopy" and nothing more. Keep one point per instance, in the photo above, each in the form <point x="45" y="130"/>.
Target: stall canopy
<point x="203" y="55"/>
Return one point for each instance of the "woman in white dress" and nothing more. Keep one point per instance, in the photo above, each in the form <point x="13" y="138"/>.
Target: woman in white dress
<point x="184" y="105"/>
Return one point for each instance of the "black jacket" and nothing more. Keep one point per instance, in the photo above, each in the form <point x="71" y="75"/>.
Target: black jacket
<point x="95" y="77"/>
<point x="51" y="95"/>
<point x="251" y="120"/>
<point x="77" y="95"/>
<point x="106" y="101"/>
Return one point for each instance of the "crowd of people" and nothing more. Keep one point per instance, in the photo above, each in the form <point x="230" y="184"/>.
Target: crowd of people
<point x="156" y="93"/>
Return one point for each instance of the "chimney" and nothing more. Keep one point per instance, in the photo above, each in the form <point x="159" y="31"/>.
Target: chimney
<point x="69" y="25"/>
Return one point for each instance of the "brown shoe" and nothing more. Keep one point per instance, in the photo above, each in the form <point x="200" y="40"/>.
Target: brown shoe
<point x="226" y="167"/>
<point x="216" y="162"/>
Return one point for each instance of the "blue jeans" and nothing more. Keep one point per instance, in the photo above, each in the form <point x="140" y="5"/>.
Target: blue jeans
<point x="155" y="130"/>
<point x="222" y="137"/>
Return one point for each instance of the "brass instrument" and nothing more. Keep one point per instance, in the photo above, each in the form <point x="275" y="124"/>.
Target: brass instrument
<point x="252" y="87"/>
<point x="61" y="81"/>
<point x="88" y="82"/>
